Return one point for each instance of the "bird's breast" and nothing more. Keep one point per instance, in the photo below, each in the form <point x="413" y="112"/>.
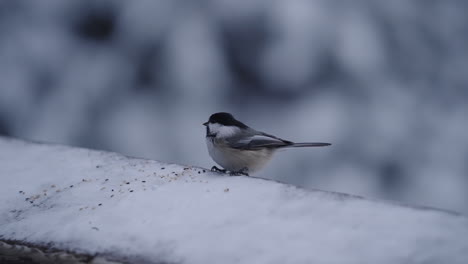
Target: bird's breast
<point x="234" y="159"/>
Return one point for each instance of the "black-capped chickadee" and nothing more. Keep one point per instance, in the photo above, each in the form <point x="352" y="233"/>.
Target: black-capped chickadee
<point x="241" y="149"/>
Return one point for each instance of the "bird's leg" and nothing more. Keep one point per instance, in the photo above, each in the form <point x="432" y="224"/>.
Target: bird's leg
<point x="216" y="169"/>
<point x="241" y="172"/>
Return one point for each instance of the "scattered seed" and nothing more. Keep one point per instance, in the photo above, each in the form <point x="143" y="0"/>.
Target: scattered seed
<point x="27" y="199"/>
<point x="71" y="186"/>
<point x="112" y="196"/>
<point x="31" y="201"/>
<point x="199" y="172"/>
<point x="52" y="186"/>
<point x="57" y="190"/>
<point x="143" y="181"/>
<point x="106" y="179"/>
<point x="98" y="166"/>
<point x="100" y="204"/>
<point x="162" y="168"/>
<point x="127" y="183"/>
<point x="226" y="190"/>
<point x="112" y="190"/>
<point x="95" y="228"/>
<point x="204" y="171"/>
<point x="131" y="190"/>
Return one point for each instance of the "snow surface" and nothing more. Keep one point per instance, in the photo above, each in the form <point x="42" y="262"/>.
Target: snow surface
<point x="107" y="204"/>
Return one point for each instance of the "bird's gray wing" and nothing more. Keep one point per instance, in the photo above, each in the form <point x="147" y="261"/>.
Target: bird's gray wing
<point x="259" y="140"/>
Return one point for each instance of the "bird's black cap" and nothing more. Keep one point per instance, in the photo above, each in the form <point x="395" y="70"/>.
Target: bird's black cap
<point x="225" y="119"/>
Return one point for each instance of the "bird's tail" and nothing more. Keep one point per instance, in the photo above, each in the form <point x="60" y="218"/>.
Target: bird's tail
<point x="308" y="144"/>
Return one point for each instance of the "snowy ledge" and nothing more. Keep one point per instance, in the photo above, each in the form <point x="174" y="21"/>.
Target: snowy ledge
<point x="88" y="206"/>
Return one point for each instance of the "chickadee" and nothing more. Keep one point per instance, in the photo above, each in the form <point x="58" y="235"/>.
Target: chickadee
<point x="241" y="149"/>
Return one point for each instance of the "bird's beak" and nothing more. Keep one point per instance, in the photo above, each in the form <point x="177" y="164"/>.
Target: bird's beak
<point x="205" y="124"/>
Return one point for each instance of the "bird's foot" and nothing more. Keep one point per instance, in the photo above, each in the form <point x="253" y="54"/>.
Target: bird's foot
<point x="242" y="172"/>
<point x="216" y="169"/>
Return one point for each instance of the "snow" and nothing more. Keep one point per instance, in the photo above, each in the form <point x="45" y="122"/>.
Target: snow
<point x="384" y="81"/>
<point x="103" y="203"/>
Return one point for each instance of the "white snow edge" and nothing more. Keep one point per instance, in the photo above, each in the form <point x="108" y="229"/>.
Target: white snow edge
<point x="106" y="204"/>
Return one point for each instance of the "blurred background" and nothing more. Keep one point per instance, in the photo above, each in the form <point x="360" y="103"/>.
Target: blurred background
<point x="384" y="81"/>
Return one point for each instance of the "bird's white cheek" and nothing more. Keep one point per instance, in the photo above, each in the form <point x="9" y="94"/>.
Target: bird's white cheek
<point x="222" y="131"/>
<point x="213" y="128"/>
<point x="227" y="131"/>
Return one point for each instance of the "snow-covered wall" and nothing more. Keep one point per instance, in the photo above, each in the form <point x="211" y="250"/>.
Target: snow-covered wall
<point x="95" y="202"/>
<point x="384" y="81"/>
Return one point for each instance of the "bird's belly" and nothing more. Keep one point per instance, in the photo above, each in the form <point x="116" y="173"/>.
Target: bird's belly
<point x="235" y="160"/>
